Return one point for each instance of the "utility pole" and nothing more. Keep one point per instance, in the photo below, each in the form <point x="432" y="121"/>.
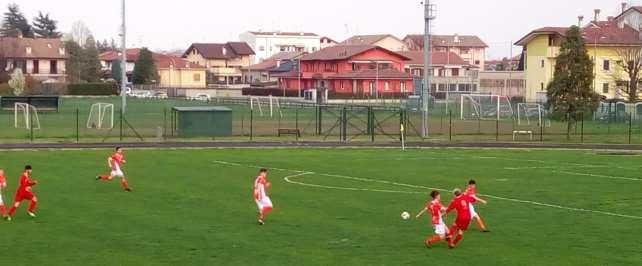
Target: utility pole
<point x="425" y="92"/>
<point x="123" y="60"/>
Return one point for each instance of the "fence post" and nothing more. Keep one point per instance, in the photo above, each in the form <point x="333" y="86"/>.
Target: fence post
<point x="630" y="126"/>
<point x="541" y="132"/>
<point x="582" y="129"/>
<point x="401" y="122"/>
<point x="77" y="125"/>
<point x="344" y="125"/>
<point x="121" y="125"/>
<point x="164" y="122"/>
<point x="497" y="130"/>
<point x="30" y="124"/>
<point x="296" y="123"/>
<point x="242" y="126"/>
<point x="251" y="125"/>
<point x="319" y="120"/>
<point x="450" y="126"/>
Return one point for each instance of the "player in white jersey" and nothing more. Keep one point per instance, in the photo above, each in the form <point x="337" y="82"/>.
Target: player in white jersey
<point x="263" y="202"/>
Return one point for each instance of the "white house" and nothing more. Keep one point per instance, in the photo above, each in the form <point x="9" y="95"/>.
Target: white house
<point x="268" y="44"/>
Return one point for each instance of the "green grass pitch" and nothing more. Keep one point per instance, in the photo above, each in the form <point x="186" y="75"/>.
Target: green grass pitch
<point x="337" y="207"/>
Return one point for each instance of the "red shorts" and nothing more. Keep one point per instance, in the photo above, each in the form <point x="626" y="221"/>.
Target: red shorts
<point x="462" y="224"/>
<point x="24" y="196"/>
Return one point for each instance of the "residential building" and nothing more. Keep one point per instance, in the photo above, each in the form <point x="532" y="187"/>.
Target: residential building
<point x="173" y="71"/>
<point x="327" y="42"/>
<point x="267" y="44"/>
<point x="605" y="39"/>
<point x="351" y="71"/>
<point x="41" y="59"/>
<point x="223" y="61"/>
<point x="386" y="41"/>
<point x="505" y="83"/>
<point x="468" y="47"/>
<point x="504" y="64"/>
<point x="264" y="72"/>
<point x="450" y="73"/>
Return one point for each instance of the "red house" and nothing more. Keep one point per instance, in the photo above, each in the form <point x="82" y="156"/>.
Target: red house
<point x="350" y="71"/>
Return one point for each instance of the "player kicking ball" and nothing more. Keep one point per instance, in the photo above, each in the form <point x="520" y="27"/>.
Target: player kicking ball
<point x="115" y="163"/>
<point x="470" y="191"/>
<point x="436" y="211"/>
<point x="263" y="202"/>
<point x="24" y="193"/>
<point x="3" y="185"/>
<point x="461" y="203"/>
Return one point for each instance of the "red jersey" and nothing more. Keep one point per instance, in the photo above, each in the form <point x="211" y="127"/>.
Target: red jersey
<point x="435" y="210"/>
<point x="117" y="161"/>
<point x="470" y="191"/>
<point x="3" y="182"/>
<point x="25" y="184"/>
<point x="460" y="204"/>
<point x="259" y="188"/>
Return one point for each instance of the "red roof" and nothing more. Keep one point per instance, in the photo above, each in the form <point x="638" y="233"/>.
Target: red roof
<point x="161" y="60"/>
<point x="14" y="47"/>
<point x="278" y="33"/>
<point x="601" y="33"/>
<point x="342" y="52"/>
<point x="272" y="61"/>
<point x="132" y="55"/>
<point x="361" y="74"/>
<point x="227" y="50"/>
<point x="438" y="58"/>
<point x="448" y="40"/>
<point x="367" y="39"/>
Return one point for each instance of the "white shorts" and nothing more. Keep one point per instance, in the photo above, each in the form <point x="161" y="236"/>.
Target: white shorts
<point x="117" y="172"/>
<point x="440" y="229"/>
<point x="1" y="202"/>
<point x="265" y="202"/>
<point x="473" y="214"/>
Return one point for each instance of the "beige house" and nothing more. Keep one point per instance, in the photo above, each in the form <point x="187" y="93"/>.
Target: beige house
<point x="179" y="73"/>
<point x="41" y="59"/>
<point x="223" y="61"/>
<point x="386" y="41"/>
<point x="468" y="47"/>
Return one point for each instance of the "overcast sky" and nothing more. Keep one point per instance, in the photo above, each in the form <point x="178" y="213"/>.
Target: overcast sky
<point x="161" y="24"/>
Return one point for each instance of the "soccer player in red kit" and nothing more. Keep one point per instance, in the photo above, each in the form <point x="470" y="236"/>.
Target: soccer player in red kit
<point x="461" y="203"/>
<point x="470" y="191"/>
<point x="115" y="163"/>
<point x="436" y="212"/>
<point x="3" y="185"/>
<point x="24" y="193"/>
<point x="263" y="202"/>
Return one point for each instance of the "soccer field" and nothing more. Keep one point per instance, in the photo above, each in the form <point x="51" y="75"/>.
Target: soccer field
<point x="332" y="207"/>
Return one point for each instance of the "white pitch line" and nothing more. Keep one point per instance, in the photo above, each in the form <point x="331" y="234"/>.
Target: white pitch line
<point x="302" y="173"/>
<point x="289" y="180"/>
<point x="598" y="175"/>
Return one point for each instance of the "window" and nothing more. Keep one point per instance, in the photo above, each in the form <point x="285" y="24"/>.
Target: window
<point x="541" y="86"/>
<point x="197" y="77"/>
<point x="53" y="67"/>
<point x="314" y="49"/>
<point x="372" y="88"/>
<point x="402" y="88"/>
<point x="387" y="86"/>
<point x="261" y="48"/>
<point x="465" y="50"/>
<point x="282" y="48"/>
<point x="550" y="40"/>
<point x="36" y="67"/>
<point x="541" y="64"/>
<point x="455" y="72"/>
<point x="605" y="88"/>
<point x="607" y="65"/>
<point x="477" y="62"/>
<point x="342" y="86"/>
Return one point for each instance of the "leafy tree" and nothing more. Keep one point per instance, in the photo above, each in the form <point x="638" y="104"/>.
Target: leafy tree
<point x="74" y="61"/>
<point x="17" y="82"/>
<point x="145" y="71"/>
<point x="90" y="61"/>
<point x="570" y="93"/>
<point x="116" y="71"/>
<point x="15" y="24"/>
<point x="45" y="27"/>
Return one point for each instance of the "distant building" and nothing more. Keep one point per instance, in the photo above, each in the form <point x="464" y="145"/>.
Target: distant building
<point x="505" y="83"/>
<point x="450" y="73"/>
<point x="505" y="64"/>
<point x="267" y="44"/>
<point x="470" y="48"/>
<point x="223" y="61"/>
<point x="327" y="42"/>
<point x="264" y="72"/>
<point x="386" y="41"/>
<point x="41" y="59"/>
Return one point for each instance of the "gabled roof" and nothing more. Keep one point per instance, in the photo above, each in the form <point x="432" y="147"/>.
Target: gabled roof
<point x="329" y="39"/>
<point x="15" y="47"/>
<point x="600" y="33"/>
<point x="161" y="60"/>
<point x="220" y="50"/>
<point x="272" y="62"/>
<point x="342" y="52"/>
<point x="448" y="40"/>
<point x="367" y="39"/>
<point x="108" y="56"/>
<point x="633" y="8"/>
<point x="279" y="33"/>
<point x="438" y="58"/>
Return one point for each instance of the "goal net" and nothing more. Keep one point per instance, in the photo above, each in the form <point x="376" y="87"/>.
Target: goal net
<point x="26" y="116"/>
<point x="101" y="116"/>
<point x="485" y="107"/>
<point x="531" y="114"/>
<point x="272" y="103"/>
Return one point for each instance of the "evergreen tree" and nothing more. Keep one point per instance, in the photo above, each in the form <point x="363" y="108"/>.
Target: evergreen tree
<point x="116" y="71"/>
<point x="45" y="27"/>
<point x="15" y="24"/>
<point x="571" y="93"/>
<point x="74" y="61"/>
<point x="145" y="71"/>
<point x="90" y="61"/>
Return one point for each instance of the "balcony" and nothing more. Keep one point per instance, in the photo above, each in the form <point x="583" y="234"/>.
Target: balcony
<point x="225" y="71"/>
<point x="552" y="51"/>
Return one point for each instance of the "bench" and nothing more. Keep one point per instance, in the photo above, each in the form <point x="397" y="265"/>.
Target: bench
<point x="290" y="131"/>
<point x="516" y="134"/>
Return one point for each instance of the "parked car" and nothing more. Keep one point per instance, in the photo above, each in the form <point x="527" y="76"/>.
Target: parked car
<point x="141" y="94"/>
<point x="204" y="97"/>
<point x="160" y="95"/>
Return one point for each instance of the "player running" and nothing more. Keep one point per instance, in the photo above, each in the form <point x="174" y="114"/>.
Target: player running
<point x="3" y="185"/>
<point x="115" y="163"/>
<point x="24" y="193"/>
<point x="461" y="203"/>
<point x="263" y="202"/>
<point x="436" y="210"/>
<point x="470" y="191"/>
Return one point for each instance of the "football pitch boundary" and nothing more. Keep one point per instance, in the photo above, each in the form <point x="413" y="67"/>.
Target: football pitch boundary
<point x="302" y="173"/>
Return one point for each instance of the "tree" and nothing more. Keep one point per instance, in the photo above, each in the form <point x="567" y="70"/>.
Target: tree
<point x="90" y="61"/>
<point x="74" y="61"/>
<point x="629" y="65"/>
<point x="145" y="71"/>
<point x="570" y="93"/>
<point x="45" y="27"/>
<point x="17" y="82"/>
<point x="116" y="71"/>
<point x="79" y="33"/>
<point x="15" y="24"/>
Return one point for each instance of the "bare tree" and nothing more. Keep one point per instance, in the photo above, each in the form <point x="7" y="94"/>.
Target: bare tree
<point x="79" y="33"/>
<point x="629" y="66"/>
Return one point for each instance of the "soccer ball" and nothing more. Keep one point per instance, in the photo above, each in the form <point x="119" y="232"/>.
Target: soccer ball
<point x="405" y="215"/>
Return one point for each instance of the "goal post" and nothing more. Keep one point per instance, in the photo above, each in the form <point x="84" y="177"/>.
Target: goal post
<point x="26" y="116"/>
<point x="101" y="116"/>
<point x="485" y="107"/>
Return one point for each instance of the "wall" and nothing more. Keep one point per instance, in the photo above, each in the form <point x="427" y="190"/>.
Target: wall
<point x="392" y="44"/>
<point x="182" y="78"/>
<point x="270" y="44"/>
<point x="536" y="75"/>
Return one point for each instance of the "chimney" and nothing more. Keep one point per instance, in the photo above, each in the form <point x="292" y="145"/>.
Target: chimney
<point x="597" y="15"/>
<point x="624" y="5"/>
<point x="456" y="38"/>
<point x="610" y="18"/>
<point x="579" y="21"/>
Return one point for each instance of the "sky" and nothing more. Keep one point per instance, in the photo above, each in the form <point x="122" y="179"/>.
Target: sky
<point x="167" y="25"/>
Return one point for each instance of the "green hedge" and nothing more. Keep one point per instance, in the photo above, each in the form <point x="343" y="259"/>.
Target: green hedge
<point x="5" y="90"/>
<point x="92" y="89"/>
